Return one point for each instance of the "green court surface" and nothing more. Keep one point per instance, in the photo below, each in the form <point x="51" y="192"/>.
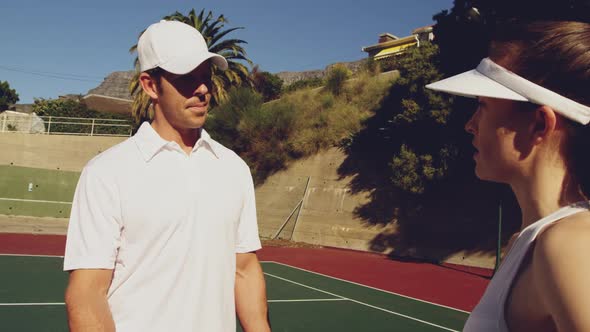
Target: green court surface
<point x="36" y="192"/>
<point x="32" y="287"/>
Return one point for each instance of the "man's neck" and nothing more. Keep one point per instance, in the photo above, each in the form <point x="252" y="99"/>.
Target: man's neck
<point x="185" y="138"/>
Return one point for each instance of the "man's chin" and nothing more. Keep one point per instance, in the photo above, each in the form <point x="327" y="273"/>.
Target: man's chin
<point x="198" y="122"/>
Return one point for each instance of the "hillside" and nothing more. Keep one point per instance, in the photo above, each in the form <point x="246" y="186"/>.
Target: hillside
<point x="116" y="84"/>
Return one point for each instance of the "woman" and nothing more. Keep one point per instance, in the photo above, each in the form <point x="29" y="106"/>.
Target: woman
<point x="531" y="131"/>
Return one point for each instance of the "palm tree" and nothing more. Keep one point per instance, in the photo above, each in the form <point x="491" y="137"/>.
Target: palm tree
<point x="213" y="31"/>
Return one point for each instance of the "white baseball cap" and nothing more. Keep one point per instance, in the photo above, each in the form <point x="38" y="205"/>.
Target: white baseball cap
<point x="492" y="80"/>
<point x="175" y="47"/>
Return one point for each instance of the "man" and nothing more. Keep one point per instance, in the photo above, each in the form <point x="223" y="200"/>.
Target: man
<point x="163" y="227"/>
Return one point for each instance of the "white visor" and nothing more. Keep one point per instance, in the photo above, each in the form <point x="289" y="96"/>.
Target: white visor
<point x="492" y="80"/>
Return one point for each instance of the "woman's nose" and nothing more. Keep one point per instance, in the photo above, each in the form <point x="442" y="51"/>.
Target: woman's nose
<point x="471" y="126"/>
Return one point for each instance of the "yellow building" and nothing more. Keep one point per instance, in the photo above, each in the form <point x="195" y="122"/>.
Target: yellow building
<point x="390" y="45"/>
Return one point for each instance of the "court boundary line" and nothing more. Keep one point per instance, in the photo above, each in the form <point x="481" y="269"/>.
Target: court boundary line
<point x="363" y="303"/>
<point x="294" y="267"/>
<point x="26" y="304"/>
<point x="371" y="287"/>
<point x="30" y="304"/>
<point x="306" y="300"/>
<point x="27" y="255"/>
<point x="32" y="200"/>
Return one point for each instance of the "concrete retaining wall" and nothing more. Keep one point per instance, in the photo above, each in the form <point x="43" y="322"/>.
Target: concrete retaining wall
<point x="61" y="152"/>
<point x="326" y="216"/>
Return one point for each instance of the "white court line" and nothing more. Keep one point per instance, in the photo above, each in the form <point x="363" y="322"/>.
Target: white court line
<point x="378" y="289"/>
<point x="29" y="304"/>
<point x="32" y="200"/>
<point x="269" y="301"/>
<point x="25" y="255"/>
<point x="362" y="303"/>
<point x="306" y="300"/>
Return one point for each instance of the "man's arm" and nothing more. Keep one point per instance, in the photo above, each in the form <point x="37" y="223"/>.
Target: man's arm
<point x="86" y="301"/>
<point x="250" y="291"/>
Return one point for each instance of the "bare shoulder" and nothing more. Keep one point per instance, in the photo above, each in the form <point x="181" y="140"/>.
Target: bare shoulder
<point x="560" y="271"/>
<point x="566" y="232"/>
<point x="565" y="244"/>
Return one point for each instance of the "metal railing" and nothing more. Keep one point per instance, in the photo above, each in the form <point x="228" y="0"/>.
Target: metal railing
<point x="56" y="125"/>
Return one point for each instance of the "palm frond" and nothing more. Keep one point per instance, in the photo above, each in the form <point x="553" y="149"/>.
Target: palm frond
<point x="222" y="34"/>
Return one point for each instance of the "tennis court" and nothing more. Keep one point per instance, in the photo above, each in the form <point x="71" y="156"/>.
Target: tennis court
<point x="32" y="287"/>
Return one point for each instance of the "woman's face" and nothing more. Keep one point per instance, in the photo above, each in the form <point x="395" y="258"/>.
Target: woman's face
<point x="499" y="130"/>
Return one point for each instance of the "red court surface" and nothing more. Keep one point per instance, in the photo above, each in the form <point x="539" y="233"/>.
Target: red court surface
<point x="445" y="285"/>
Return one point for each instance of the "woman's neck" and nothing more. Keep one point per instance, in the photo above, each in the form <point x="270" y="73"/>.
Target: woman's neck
<point x="546" y="189"/>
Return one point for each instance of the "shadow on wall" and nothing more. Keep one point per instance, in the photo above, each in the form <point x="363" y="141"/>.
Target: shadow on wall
<point x="455" y="213"/>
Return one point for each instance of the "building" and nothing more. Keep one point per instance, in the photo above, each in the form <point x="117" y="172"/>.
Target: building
<point x="390" y="45"/>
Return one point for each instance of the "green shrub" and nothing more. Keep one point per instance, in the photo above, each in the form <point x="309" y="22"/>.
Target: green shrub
<point x="223" y="120"/>
<point x="259" y="133"/>
<point x="269" y="136"/>
<point x="313" y="82"/>
<point x="267" y="84"/>
<point x="336" y="78"/>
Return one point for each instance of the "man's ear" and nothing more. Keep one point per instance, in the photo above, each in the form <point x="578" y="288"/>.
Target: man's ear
<point x="149" y="85"/>
<point x="545" y="123"/>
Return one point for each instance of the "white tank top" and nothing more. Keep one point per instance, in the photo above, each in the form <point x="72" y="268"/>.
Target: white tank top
<point x="488" y="315"/>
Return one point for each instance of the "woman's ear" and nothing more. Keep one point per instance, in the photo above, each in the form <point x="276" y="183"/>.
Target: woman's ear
<point x="545" y="123"/>
<point x="149" y="85"/>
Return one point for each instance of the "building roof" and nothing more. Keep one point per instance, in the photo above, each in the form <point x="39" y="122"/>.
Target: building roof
<point x="388" y="36"/>
<point x="398" y="42"/>
<point x="423" y="29"/>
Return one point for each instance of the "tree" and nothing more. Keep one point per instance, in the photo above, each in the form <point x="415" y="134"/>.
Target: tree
<point x="213" y="30"/>
<point x="8" y="96"/>
<point x="268" y="85"/>
<point x="419" y="159"/>
<point x="258" y="132"/>
<point x="471" y="22"/>
<point x="75" y="108"/>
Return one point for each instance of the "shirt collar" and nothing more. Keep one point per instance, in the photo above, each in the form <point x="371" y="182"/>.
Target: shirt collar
<point x="150" y="142"/>
<point x="211" y="144"/>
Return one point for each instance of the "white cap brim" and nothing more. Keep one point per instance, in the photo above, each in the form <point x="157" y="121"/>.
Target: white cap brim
<point x="181" y="66"/>
<point x="474" y="84"/>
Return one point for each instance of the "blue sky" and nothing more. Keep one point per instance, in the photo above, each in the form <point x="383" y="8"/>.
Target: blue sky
<point x="87" y="40"/>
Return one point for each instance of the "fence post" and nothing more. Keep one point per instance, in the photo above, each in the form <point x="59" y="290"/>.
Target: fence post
<point x="49" y="126"/>
<point x="4" y="122"/>
<point x="92" y="130"/>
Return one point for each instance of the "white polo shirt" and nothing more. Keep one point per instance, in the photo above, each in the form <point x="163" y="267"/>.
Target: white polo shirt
<point x="170" y="225"/>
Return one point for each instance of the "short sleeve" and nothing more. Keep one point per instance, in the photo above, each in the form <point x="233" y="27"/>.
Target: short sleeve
<point x="94" y="230"/>
<point x="247" y="237"/>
